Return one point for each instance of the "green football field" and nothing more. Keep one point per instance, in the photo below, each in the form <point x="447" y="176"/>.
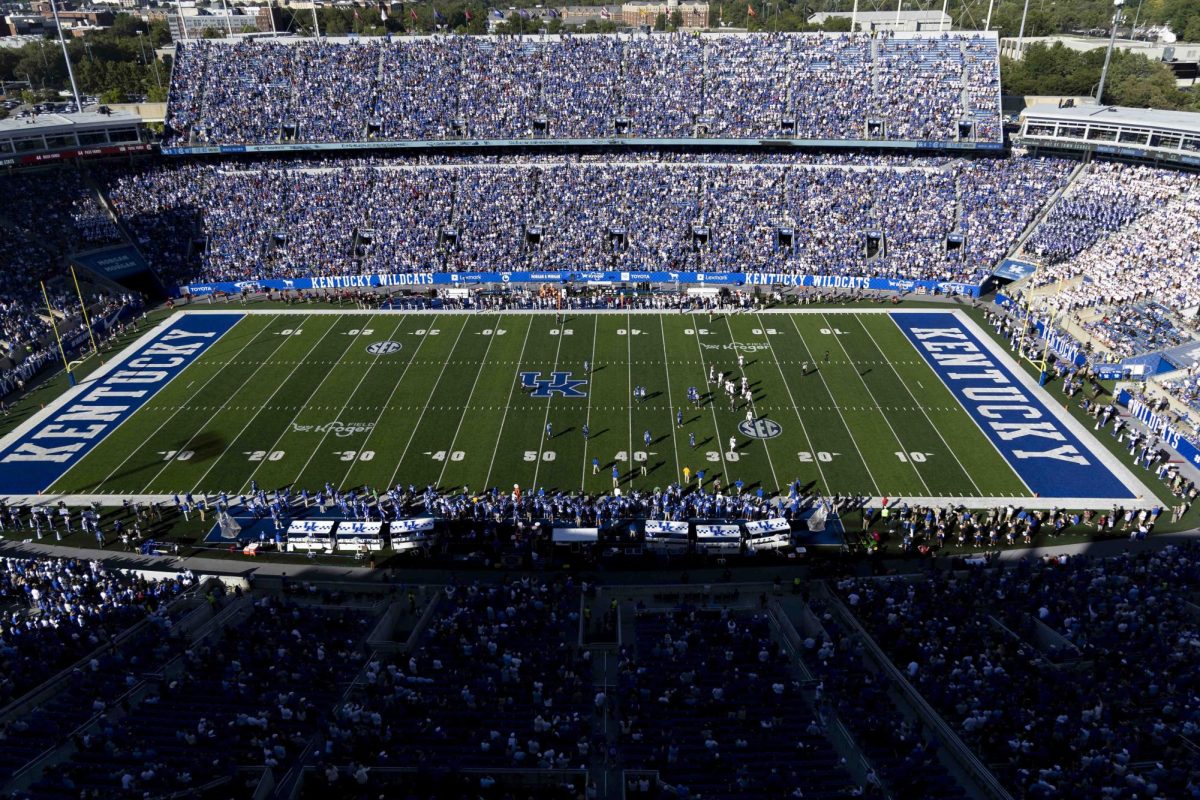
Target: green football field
<point x="357" y="399"/>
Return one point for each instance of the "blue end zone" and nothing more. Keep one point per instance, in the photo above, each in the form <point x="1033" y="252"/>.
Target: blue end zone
<point x="38" y="454"/>
<point x="1042" y="450"/>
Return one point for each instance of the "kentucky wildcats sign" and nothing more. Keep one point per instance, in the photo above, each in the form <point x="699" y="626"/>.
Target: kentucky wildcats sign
<point x="558" y="383"/>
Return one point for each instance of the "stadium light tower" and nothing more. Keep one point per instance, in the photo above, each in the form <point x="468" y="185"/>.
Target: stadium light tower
<point x="1112" y="38"/>
<point x="67" y="58"/>
<point x="1021" y="33"/>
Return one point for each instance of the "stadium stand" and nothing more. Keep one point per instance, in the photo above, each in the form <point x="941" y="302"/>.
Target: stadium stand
<point x="61" y="609"/>
<point x="1003" y="654"/>
<point x="708" y="699"/>
<point x="47" y="217"/>
<point x="287" y="220"/>
<point x="742" y="86"/>
<point x="1122" y="234"/>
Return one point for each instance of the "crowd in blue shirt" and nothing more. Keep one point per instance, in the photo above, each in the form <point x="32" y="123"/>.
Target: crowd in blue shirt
<point x="58" y="609"/>
<point x="737" y="86"/>
<point x="621" y="211"/>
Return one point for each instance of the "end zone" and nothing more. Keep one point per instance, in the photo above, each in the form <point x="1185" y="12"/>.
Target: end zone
<point x="41" y="450"/>
<point x="1049" y="450"/>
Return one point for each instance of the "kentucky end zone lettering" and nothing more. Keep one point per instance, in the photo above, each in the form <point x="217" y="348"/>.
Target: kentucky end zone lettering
<point x="1047" y="455"/>
<point x="32" y="459"/>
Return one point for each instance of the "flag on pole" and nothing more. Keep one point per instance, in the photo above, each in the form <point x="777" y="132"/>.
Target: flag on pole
<point x="382" y="13"/>
<point x="438" y="17"/>
<point x="604" y="13"/>
<point x="356" y="17"/>
<point x="524" y="14"/>
<point x="468" y="15"/>
<point x="412" y="13"/>
<point x="553" y="13"/>
<point x="498" y="13"/>
<point x="750" y="12"/>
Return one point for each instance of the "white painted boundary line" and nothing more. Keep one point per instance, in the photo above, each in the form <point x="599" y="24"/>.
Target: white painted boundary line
<point x="1122" y="472"/>
<point x="504" y="417"/>
<point x="974" y="503"/>
<point x="920" y="405"/>
<point x="474" y="312"/>
<point x="874" y="400"/>
<point x="995" y="446"/>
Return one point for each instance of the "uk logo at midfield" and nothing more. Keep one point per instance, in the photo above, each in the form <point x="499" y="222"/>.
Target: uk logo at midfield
<point x="559" y="382"/>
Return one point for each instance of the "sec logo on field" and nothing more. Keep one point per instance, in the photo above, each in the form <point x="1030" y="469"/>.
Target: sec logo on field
<point x="760" y="428"/>
<point x="383" y="348"/>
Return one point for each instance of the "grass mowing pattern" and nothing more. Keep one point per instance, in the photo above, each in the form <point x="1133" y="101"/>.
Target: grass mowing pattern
<point x="447" y="408"/>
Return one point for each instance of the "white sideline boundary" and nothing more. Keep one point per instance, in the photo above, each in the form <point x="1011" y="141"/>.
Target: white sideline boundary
<point x="1143" y="496"/>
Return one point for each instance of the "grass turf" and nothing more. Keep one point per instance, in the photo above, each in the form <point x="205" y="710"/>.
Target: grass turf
<point x="447" y="408"/>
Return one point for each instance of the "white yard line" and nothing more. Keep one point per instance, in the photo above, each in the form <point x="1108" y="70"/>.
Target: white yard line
<point x="432" y="391"/>
<point x="349" y="397"/>
<point x="367" y="441"/>
<point x="181" y="408"/>
<point x="754" y="411"/>
<point x="804" y="428"/>
<point x="199" y="484"/>
<point x="504" y="417"/>
<point x="712" y="406"/>
<point x="817" y="368"/>
<point x="463" y="415"/>
<point x="918" y="404"/>
<point x="72" y="394"/>
<point x="542" y="437"/>
<point x="587" y="419"/>
<point x="287" y="428"/>
<point x="874" y="401"/>
<point x="670" y="403"/>
<point x="249" y="377"/>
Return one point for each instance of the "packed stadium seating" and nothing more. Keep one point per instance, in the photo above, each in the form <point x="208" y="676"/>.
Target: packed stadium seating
<point x="60" y="609"/>
<point x="741" y="86"/>
<point x="707" y="698"/>
<point x="1058" y="674"/>
<point x="1122" y="234"/>
<point x="46" y="217"/>
<point x="280" y="219"/>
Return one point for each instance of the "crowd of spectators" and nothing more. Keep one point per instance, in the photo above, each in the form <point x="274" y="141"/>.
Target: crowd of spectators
<point x="253" y="696"/>
<point x="1121" y="235"/>
<point x="1067" y="677"/>
<point x="1127" y="330"/>
<point x="743" y="86"/>
<point x="708" y="699"/>
<point x="496" y="683"/>
<point x="47" y="216"/>
<point x="56" y="610"/>
<point x="294" y="219"/>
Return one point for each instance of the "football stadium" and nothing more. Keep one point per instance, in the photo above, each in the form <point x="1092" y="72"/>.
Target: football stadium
<point x="688" y="414"/>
